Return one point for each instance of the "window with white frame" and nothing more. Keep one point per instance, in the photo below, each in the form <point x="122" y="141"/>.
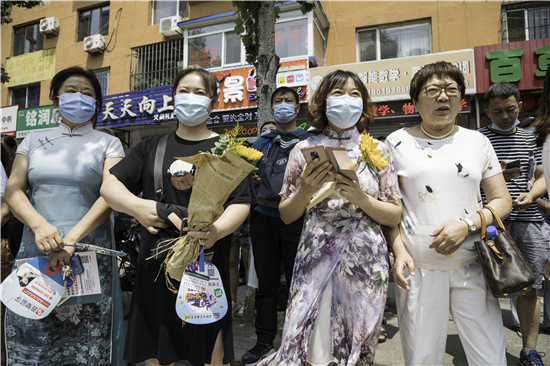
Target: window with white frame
<point x="402" y="40"/>
<point x="164" y="9"/>
<point x="525" y="21"/>
<point x="214" y="46"/>
<point x="27" y="39"/>
<point x="27" y="96"/>
<point x="103" y="78"/>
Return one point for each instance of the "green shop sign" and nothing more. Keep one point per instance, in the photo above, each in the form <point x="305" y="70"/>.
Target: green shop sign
<point x="505" y="65"/>
<point x="41" y="118"/>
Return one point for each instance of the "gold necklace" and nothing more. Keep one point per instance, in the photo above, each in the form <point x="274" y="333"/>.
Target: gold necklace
<point x="441" y="137"/>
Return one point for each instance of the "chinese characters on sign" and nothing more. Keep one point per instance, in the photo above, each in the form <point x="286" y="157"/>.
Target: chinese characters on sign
<point x="505" y="65"/>
<point x="406" y="108"/>
<point x="390" y="79"/>
<point x="37" y="118"/>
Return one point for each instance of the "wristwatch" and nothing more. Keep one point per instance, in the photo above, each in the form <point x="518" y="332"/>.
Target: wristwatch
<point x="471" y="226"/>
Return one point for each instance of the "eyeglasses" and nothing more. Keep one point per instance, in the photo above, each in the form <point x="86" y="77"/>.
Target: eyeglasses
<point x="433" y="91"/>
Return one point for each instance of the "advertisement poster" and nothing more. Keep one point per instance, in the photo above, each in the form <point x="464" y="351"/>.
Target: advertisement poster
<point x="201" y="297"/>
<point x="86" y="287"/>
<point x="33" y="290"/>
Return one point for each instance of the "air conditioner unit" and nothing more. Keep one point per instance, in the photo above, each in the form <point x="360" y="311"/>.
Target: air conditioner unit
<point x="95" y="43"/>
<point x="169" y="26"/>
<point x="49" y="26"/>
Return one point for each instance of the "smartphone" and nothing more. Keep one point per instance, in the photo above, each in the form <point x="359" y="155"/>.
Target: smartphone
<point x="516" y="163"/>
<point x="315" y="152"/>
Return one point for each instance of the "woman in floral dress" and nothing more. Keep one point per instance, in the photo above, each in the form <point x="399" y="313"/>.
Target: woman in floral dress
<point x="338" y="289"/>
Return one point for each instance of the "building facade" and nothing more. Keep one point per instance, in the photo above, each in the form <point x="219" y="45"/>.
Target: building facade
<point x="136" y="47"/>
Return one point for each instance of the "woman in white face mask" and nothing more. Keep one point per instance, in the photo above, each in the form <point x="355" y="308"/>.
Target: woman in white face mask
<point x="63" y="170"/>
<point x="155" y="334"/>
<point x="340" y="277"/>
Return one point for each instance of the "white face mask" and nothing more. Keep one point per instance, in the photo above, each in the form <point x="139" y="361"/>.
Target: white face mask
<point x="344" y="111"/>
<point x="191" y="109"/>
<point x="495" y="127"/>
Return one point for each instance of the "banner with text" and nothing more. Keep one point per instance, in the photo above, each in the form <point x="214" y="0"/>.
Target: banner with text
<point x="46" y="117"/>
<point x="390" y="79"/>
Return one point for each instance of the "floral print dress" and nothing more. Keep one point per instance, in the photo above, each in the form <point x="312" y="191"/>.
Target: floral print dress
<point x="342" y="246"/>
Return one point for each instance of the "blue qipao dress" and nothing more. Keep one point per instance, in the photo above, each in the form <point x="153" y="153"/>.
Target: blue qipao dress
<point x="341" y="247"/>
<point x="64" y="177"/>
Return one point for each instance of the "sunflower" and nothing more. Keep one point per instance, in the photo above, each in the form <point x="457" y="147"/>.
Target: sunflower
<point x="249" y="154"/>
<point x="369" y="154"/>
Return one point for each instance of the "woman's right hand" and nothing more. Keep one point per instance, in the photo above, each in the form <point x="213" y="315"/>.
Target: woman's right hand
<point x="147" y="216"/>
<point x="48" y="238"/>
<point x="314" y="176"/>
<point x="402" y="259"/>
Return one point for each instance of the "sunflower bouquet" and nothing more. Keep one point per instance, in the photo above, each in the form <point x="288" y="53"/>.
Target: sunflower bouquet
<point x="369" y="153"/>
<point x="217" y="174"/>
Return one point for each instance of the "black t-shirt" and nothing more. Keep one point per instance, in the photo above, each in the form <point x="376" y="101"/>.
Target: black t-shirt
<point x="135" y="171"/>
<point x="154" y="330"/>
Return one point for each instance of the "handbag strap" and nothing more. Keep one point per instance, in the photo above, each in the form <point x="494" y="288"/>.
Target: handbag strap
<point x="483" y="224"/>
<point x="499" y="221"/>
<point x="157" y="169"/>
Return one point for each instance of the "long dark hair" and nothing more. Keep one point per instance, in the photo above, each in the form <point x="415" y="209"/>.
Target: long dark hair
<point x="61" y="76"/>
<point x="542" y="122"/>
<point x="318" y="106"/>
<point x="6" y="155"/>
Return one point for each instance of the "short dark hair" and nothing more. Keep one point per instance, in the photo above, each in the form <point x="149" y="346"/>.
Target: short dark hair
<point x="267" y="123"/>
<point x="502" y="91"/>
<point x="10" y="141"/>
<point x="63" y="75"/>
<point x="283" y="90"/>
<point x="440" y="69"/>
<point x="209" y="80"/>
<point x="318" y="106"/>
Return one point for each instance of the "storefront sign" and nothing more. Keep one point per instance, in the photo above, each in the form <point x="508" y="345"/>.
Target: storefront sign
<point x="9" y="120"/>
<point x="31" y="67"/>
<point x="390" y="79"/>
<point x="46" y="117"/>
<point x="244" y="129"/>
<point x="137" y="107"/>
<point x="524" y="63"/>
<point x="242" y="116"/>
<point x="237" y="91"/>
<point x="405" y="108"/>
<point x="237" y="86"/>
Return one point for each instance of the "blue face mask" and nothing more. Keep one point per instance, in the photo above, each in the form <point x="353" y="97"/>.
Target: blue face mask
<point x="76" y="107"/>
<point x="191" y="109"/>
<point x="495" y="127"/>
<point x="284" y="112"/>
<point x="344" y="111"/>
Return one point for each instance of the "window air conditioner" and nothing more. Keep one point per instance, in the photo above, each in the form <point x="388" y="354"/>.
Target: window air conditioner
<point x="169" y="26"/>
<point x="49" y="26"/>
<point x="95" y="43"/>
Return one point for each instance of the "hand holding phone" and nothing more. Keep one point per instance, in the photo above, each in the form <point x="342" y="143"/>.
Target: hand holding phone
<point x="516" y="163"/>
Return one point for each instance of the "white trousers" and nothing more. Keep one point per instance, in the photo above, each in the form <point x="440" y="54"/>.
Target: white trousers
<point x="423" y="315"/>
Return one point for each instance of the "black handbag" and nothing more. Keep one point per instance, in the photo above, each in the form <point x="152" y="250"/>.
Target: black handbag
<point x="506" y="271"/>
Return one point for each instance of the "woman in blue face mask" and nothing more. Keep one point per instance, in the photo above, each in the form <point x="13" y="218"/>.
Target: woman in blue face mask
<point x="340" y="277"/>
<point x="155" y="334"/>
<point x="63" y="170"/>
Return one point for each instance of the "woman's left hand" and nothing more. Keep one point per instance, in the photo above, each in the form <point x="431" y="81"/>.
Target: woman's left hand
<point x="449" y="237"/>
<point x="350" y="189"/>
<point x="208" y="238"/>
<point x="63" y="255"/>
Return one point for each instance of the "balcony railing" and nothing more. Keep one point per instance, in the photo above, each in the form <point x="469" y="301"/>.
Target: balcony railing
<point x="155" y="64"/>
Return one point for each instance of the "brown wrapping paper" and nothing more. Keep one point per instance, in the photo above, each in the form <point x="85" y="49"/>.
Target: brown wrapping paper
<point x="215" y="179"/>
